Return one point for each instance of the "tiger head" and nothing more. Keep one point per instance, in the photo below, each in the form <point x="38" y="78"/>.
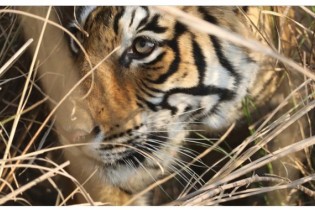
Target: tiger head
<point x="162" y="77"/>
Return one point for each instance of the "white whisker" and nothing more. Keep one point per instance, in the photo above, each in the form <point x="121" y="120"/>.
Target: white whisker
<point x="178" y="162"/>
<point x="181" y="150"/>
<point x="148" y="172"/>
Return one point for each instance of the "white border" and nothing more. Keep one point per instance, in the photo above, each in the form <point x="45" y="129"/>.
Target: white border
<point x="160" y="207"/>
<point x="158" y="2"/>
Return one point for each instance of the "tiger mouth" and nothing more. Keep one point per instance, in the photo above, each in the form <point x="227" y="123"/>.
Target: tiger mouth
<point x="124" y="148"/>
<point x="133" y="152"/>
<point x="131" y="158"/>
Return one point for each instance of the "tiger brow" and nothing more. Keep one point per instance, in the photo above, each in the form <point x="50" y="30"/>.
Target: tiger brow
<point x="145" y="19"/>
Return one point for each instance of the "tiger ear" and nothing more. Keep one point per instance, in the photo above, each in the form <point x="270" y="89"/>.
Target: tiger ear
<point x="76" y="26"/>
<point x="76" y="32"/>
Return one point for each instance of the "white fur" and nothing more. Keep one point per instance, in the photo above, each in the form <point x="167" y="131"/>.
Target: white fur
<point x="85" y="13"/>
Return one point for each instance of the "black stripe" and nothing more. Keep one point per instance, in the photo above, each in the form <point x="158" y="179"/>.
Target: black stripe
<point x="128" y="142"/>
<point x="154" y="26"/>
<point x="139" y="104"/>
<point x="199" y="59"/>
<point x="132" y="17"/>
<point x="208" y="17"/>
<point x="224" y="94"/>
<point x="223" y="60"/>
<point x="146" y="9"/>
<point x="117" y="18"/>
<point x="143" y="90"/>
<point x="151" y="106"/>
<point x="178" y="30"/>
<point x="218" y="47"/>
<point x="154" y="68"/>
<point x="151" y="88"/>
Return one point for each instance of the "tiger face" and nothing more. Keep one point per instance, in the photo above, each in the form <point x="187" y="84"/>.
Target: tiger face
<point x="162" y="78"/>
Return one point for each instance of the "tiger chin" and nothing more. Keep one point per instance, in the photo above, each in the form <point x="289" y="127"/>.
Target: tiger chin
<point x="162" y="79"/>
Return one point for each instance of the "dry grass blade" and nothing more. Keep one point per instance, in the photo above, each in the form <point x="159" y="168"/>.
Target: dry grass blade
<point x="194" y="197"/>
<point x="264" y="160"/>
<point x="26" y="110"/>
<point x="308" y="11"/>
<point x="7" y="184"/>
<point x="235" y="162"/>
<point x="207" y="198"/>
<point x="20" y="107"/>
<point x="209" y="28"/>
<point x="284" y="16"/>
<point x="20" y="190"/>
<point x="10" y="62"/>
<point x="76" y="190"/>
<point x="10" y="11"/>
<point x="296" y="184"/>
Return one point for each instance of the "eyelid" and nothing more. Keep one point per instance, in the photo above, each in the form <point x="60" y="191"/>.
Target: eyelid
<point x="156" y="42"/>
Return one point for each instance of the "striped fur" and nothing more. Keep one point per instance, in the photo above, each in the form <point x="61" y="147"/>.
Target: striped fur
<point x="149" y="102"/>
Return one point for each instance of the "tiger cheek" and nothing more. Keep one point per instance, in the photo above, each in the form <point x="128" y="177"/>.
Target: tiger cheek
<point x="115" y="97"/>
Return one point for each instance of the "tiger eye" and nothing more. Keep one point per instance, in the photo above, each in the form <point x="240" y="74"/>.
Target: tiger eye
<point x="143" y="46"/>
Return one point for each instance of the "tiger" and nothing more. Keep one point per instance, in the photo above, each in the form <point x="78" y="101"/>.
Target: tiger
<point x="161" y="80"/>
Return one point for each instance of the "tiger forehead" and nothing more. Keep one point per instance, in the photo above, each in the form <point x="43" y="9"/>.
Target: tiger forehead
<point x="131" y="17"/>
<point x="119" y="26"/>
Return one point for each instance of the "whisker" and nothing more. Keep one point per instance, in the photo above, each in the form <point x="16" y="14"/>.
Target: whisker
<point x="148" y="172"/>
<point x="185" y="191"/>
<point x="192" y="140"/>
<point x="181" y="150"/>
<point x="182" y="176"/>
<point x="141" y="152"/>
<point x="193" y="175"/>
<point x="154" y="131"/>
<point x="179" y="162"/>
<point x="170" y="167"/>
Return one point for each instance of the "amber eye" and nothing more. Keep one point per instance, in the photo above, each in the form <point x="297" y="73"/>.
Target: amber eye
<point x="143" y="46"/>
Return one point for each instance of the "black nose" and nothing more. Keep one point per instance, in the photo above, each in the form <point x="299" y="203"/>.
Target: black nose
<point x="96" y="130"/>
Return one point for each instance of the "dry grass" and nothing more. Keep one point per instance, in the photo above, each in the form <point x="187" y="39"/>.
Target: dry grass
<point x="267" y="162"/>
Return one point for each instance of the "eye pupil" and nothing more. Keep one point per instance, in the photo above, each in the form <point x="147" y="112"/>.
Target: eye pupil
<point x="143" y="46"/>
<point x="142" y="43"/>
